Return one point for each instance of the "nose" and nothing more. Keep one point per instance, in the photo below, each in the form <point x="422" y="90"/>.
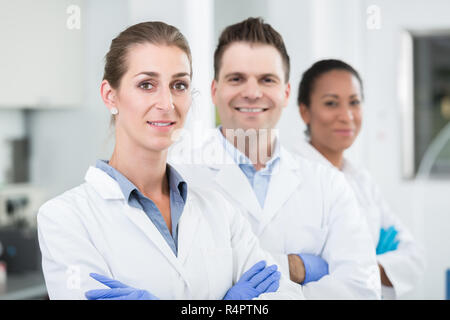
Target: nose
<point x="346" y="114"/>
<point x="252" y="90"/>
<point x="164" y="100"/>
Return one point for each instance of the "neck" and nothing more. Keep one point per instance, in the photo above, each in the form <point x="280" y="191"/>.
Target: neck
<point x="335" y="157"/>
<point x="257" y="145"/>
<point x="145" y="169"/>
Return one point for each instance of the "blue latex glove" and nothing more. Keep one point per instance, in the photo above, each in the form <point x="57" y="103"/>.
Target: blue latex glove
<point x="256" y="280"/>
<point x="387" y="240"/>
<point x="118" y="291"/>
<point x="315" y="267"/>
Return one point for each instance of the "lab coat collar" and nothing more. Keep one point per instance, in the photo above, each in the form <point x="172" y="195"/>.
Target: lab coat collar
<point x="286" y="177"/>
<point x="305" y="149"/>
<point x="285" y="180"/>
<point x="106" y="186"/>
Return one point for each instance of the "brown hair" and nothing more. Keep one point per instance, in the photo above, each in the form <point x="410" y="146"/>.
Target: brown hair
<point x="251" y="30"/>
<point x="154" y="32"/>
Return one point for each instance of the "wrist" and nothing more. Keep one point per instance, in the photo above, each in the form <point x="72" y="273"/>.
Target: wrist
<point x="296" y="268"/>
<point x="384" y="278"/>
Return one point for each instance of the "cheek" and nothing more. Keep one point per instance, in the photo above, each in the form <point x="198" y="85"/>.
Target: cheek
<point x="277" y="96"/>
<point x="358" y="119"/>
<point x="228" y="96"/>
<point x="131" y="100"/>
<point x="183" y="104"/>
<point x="322" y="119"/>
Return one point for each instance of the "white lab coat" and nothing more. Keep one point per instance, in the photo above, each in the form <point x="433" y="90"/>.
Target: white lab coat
<point x="404" y="266"/>
<point x="309" y="208"/>
<point x="91" y="228"/>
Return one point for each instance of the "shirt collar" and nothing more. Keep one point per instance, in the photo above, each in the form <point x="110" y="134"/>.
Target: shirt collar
<point x="240" y="158"/>
<point x="176" y="182"/>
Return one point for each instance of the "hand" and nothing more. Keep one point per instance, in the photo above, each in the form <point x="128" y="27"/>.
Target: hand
<point x="256" y="280"/>
<point x="387" y="240"/>
<point x="315" y="267"/>
<point x="118" y="291"/>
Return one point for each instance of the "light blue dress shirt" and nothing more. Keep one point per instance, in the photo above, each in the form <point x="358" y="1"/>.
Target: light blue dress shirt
<point x="259" y="180"/>
<point x="178" y="194"/>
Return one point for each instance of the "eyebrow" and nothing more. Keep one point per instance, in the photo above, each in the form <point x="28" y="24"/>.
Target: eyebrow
<point x="156" y="74"/>
<point x="336" y="96"/>
<point x="242" y="74"/>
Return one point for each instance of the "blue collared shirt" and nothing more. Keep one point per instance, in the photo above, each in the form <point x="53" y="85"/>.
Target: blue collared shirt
<point x="259" y="180"/>
<point x="178" y="194"/>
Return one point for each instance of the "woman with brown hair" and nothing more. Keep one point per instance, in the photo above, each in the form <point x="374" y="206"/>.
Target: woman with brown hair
<point x="135" y="223"/>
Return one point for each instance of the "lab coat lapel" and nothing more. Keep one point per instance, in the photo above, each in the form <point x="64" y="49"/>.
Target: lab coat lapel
<point x="187" y="229"/>
<point x="284" y="182"/>
<point x="140" y="219"/>
<point x="230" y="178"/>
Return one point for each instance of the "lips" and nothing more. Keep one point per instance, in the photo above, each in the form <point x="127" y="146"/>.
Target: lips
<point x="250" y="110"/>
<point x="161" y="124"/>
<point x="345" y="132"/>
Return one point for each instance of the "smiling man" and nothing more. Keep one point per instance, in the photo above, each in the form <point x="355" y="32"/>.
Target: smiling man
<point x="304" y="213"/>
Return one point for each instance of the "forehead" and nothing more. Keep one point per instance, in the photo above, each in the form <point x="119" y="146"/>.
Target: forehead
<point x="251" y="58"/>
<point x="337" y="81"/>
<point x="156" y="58"/>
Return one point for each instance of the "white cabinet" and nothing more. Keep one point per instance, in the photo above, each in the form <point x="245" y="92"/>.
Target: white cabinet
<point x="41" y="57"/>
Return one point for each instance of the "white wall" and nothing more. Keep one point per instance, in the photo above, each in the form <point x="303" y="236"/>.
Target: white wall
<point x="66" y="142"/>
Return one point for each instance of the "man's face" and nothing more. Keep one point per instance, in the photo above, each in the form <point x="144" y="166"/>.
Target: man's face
<point x="251" y="90"/>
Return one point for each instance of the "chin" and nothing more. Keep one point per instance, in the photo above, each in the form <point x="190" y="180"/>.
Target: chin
<point x="344" y="145"/>
<point x="158" y="146"/>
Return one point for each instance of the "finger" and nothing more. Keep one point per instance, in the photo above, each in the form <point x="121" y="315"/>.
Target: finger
<point x="384" y="242"/>
<point x="257" y="267"/>
<point x="394" y="246"/>
<point x="391" y="237"/>
<point x="107" y="293"/>
<point x="382" y="234"/>
<point x="122" y="297"/>
<point x="273" y="287"/>
<point x="108" y="281"/>
<point x="262" y="275"/>
<point x="381" y="240"/>
<point x="264" y="285"/>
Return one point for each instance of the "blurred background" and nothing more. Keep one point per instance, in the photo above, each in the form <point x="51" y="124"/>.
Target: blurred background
<point x="53" y="124"/>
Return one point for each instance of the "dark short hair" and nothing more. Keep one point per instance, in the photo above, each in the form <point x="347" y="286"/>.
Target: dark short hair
<point x="310" y="76"/>
<point x="251" y="30"/>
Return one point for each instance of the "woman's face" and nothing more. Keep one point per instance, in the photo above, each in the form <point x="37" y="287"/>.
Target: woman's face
<point x="154" y="96"/>
<point x="334" y="114"/>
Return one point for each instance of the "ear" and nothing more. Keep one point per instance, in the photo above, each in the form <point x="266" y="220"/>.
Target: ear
<point x="213" y="91"/>
<point x="305" y="113"/>
<point x="287" y="94"/>
<point x="108" y="94"/>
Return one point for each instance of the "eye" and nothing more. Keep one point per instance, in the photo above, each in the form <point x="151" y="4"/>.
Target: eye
<point x="235" y="79"/>
<point x="331" y="103"/>
<point x="146" y="85"/>
<point x="268" y="80"/>
<point x="355" y="103"/>
<point x="180" y="86"/>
